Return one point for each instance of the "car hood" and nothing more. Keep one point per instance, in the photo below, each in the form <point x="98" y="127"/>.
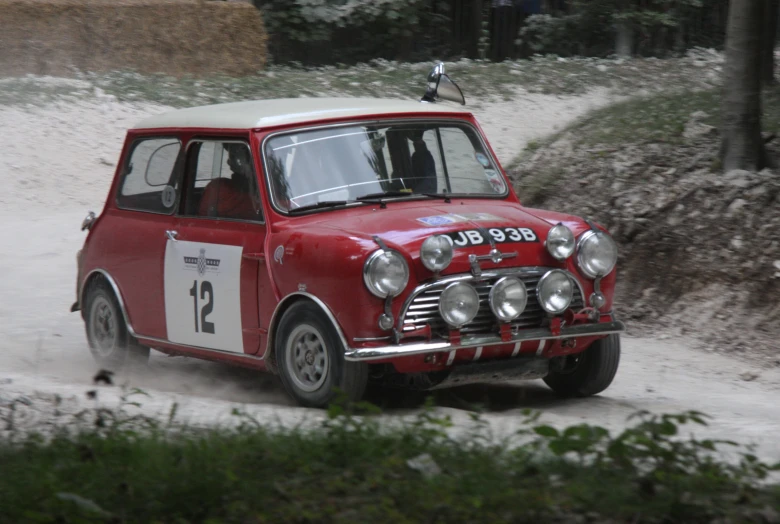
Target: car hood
<point x="405" y="225"/>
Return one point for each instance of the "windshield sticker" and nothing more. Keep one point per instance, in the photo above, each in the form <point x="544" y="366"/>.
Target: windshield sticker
<point x="495" y="180"/>
<point x="439" y="220"/>
<point x="452" y="218"/>
<point x="501" y="235"/>
<point x="482" y="159"/>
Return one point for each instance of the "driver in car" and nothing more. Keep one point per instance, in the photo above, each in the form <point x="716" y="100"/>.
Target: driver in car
<point x="232" y="197"/>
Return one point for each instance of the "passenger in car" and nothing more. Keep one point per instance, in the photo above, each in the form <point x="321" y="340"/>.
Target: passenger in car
<point x="232" y="197"/>
<point x="423" y="166"/>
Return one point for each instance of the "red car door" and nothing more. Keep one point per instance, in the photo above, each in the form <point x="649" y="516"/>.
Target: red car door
<point x="130" y="240"/>
<point x="213" y="259"/>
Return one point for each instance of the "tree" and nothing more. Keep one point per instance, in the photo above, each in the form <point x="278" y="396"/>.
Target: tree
<point x="742" y="146"/>
<point x="770" y="37"/>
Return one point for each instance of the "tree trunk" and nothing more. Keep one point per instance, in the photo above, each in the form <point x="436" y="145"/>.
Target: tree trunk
<point x="742" y="146"/>
<point x="769" y="35"/>
<point x="624" y="39"/>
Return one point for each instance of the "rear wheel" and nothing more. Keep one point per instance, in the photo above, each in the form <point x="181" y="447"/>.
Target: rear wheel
<point x="310" y="358"/>
<point x="587" y="373"/>
<point x="112" y="347"/>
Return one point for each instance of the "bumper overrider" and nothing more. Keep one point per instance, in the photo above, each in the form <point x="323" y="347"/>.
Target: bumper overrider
<point x="474" y="341"/>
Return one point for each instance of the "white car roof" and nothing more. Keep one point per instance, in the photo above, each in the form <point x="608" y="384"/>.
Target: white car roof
<point x="282" y="111"/>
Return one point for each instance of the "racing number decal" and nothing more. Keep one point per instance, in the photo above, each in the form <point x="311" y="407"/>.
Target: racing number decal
<point x="203" y="295"/>
<point x="208" y="327"/>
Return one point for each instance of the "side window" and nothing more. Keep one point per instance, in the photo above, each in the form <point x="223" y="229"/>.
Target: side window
<point x="148" y="182"/>
<point x="221" y="181"/>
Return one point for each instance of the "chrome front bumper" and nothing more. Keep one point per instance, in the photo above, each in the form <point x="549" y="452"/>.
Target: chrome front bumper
<point x="474" y="341"/>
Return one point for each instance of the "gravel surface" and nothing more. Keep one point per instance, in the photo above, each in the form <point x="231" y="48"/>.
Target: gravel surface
<point x="56" y="162"/>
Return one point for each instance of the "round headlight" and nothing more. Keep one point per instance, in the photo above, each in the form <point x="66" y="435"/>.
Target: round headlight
<point x="596" y="254"/>
<point x="555" y="291"/>
<point x="560" y="242"/>
<point x="459" y="304"/>
<point x="385" y="273"/>
<point x="436" y="252"/>
<point x="508" y="298"/>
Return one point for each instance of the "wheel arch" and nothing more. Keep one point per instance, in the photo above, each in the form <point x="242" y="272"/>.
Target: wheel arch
<point x="101" y="275"/>
<point x="286" y="303"/>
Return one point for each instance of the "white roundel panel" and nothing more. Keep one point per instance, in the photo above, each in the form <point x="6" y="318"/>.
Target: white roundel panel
<point x="203" y="295"/>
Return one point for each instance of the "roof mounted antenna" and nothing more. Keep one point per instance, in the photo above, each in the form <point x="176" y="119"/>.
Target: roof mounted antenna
<point x="441" y="87"/>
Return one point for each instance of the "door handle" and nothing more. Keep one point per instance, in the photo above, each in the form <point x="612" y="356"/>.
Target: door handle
<point x="171" y="235"/>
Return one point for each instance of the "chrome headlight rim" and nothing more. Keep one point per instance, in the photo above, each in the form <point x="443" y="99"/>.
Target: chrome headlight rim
<point x="540" y="285"/>
<point x="491" y="298"/>
<point x="581" y="265"/>
<point x="445" y="316"/>
<point x="367" y="278"/>
<point x="448" y="255"/>
<point x="571" y="241"/>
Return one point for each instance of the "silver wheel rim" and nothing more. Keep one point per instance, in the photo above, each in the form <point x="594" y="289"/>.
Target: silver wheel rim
<point x="307" y="358"/>
<point x="102" y="326"/>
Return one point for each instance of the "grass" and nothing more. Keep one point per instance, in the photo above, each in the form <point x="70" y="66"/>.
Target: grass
<point x="657" y="118"/>
<point x="354" y="469"/>
<point x="480" y="80"/>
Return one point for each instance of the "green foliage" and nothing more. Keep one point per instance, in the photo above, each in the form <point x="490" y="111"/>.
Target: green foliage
<point x="355" y="467"/>
<point x="656" y="118"/>
<point x="588" y="27"/>
<point x="345" y="31"/>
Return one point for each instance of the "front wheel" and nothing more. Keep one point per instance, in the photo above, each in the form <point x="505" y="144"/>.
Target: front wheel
<point x="310" y="358"/>
<point x="112" y="347"/>
<point x="587" y="373"/>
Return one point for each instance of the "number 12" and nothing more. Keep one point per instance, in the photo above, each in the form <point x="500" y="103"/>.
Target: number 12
<point x="205" y="287"/>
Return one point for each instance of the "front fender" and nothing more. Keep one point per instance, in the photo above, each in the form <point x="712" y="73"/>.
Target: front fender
<point x="328" y="265"/>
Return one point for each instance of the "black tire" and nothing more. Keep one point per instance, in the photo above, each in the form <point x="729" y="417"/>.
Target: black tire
<point x="594" y="371"/>
<point x="112" y="347"/>
<point x="310" y="358"/>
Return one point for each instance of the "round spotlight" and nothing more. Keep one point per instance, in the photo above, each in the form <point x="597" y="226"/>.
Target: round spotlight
<point x="560" y="242"/>
<point x="555" y="291"/>
<point x="459" y="304"/>
<point x="436" y="252"/>
<point x="508" y="298"/>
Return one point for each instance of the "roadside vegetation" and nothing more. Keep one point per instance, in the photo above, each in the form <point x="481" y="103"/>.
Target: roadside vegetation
<point x="652" y="118"/>
<point x="356" y="467"/>
<point x="649" y="169"/>
<point x="479" y="79"/>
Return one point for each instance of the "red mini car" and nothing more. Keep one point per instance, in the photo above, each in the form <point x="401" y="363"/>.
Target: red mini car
<point x="340" y="241"/>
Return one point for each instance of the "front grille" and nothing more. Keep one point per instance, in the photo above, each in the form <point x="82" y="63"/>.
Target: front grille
<point x="424" y="307"/>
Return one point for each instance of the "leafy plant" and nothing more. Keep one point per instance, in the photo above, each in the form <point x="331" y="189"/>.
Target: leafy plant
<point x="350" y="30"/>
<point x="588" y="28"/>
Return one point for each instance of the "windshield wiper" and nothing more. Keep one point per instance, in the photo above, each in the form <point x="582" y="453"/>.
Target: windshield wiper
<point x="388" y="194"/>
<point x="445" y="196"/>
<point x="324" y="203"/>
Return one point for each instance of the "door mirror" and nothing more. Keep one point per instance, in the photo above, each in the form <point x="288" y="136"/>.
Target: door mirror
<point x="441" y="87"/>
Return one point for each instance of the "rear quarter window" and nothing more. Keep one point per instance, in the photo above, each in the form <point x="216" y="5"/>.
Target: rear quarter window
<point x="148" y="179"/>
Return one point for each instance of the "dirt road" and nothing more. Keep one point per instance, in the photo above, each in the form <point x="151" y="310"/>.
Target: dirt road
<point x="55" y="165"/>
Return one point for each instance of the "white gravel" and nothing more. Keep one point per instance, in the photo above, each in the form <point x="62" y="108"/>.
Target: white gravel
<point x="56" y="162"/>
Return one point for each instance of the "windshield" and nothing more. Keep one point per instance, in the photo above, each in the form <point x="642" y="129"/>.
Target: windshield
<point x="345" y="164"/>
